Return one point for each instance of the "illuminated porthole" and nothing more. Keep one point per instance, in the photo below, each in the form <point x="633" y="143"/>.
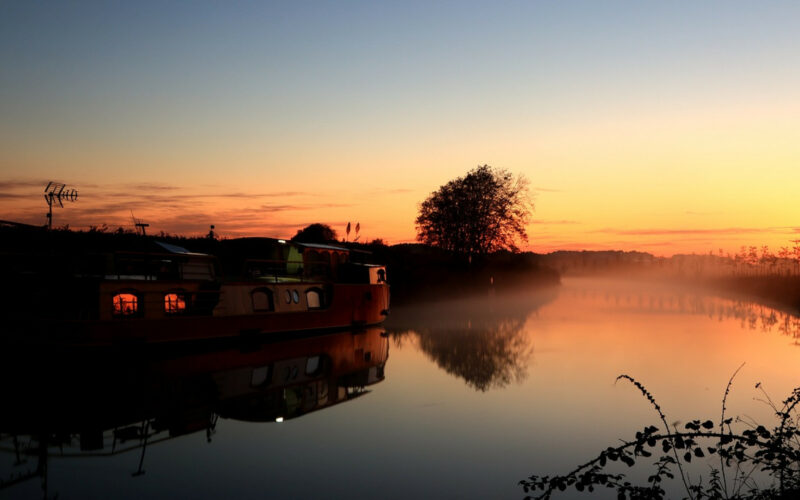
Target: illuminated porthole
<point x="125" y="304"/>
<point x="287" y="296"/>
<point x="295" y="296"/>
<point x="175" y="303"/>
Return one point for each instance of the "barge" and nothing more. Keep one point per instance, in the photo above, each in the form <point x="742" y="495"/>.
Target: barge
<point x="161" y="292"/>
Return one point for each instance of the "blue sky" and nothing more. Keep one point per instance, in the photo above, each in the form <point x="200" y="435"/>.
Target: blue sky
<point x="404" y="96"/>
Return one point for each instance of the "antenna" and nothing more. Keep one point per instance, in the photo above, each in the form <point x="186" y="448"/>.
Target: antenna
<point x="139" y="225"/>
<point x="57" y="192"/>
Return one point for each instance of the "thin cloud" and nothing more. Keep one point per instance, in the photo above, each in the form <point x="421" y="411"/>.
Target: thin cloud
<point x="151" y="186"/>
<point x="687" y="231"/>
<point x="13" y="196"/>
<point x="14" y="184"/>
<point x="390" y="191"/>
<point x="554" y="222"/>
<point x="255" y="195"/>
<point x="545" y="190"/>
<point x="285" y="208"/>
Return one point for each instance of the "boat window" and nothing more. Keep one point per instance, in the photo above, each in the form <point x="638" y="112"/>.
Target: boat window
<point x="175" y="303"/>
<point x="295" y="296"/>
<point x="262" y="299"/>
<point x="125" y="304"/>
<point x="312" y="365"/>
<point x="314" y="298"/>
<point x="259" y="376"/>
<point x="287" y="296"/>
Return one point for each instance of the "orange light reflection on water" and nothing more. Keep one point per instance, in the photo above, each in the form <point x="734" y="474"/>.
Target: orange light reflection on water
<point x="553" y="402"/>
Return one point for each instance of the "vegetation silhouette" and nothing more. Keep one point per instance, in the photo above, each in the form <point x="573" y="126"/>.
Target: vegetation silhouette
<point x="775" y="453"/>
<point x="316" y="233"/>
<point x="480" y="340"/>
<point x="484" y="211"/>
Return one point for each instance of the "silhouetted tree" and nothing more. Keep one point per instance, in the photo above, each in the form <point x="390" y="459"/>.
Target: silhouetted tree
<point x="484" y="211"/>
<point x="315" y="233"/>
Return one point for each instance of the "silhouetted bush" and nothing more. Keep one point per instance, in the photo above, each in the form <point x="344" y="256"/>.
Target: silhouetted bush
<point x="775" y="452"/>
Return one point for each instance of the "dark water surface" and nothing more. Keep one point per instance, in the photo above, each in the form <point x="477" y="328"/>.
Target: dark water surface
<point x="450" y="400"/>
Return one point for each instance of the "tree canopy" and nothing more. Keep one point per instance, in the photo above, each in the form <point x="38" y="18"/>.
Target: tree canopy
<point x="484" y="211"/>
<point x="315" y="233"/>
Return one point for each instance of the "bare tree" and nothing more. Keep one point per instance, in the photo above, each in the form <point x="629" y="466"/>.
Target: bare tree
<point x="484" y="211"/>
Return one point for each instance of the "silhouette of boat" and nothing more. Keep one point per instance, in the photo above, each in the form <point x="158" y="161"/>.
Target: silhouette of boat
<point x="161" y="292"/>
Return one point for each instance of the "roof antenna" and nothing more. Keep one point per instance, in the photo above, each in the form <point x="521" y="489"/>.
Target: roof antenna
<point x="140" y="226"/>
<point x="57" y="192"/>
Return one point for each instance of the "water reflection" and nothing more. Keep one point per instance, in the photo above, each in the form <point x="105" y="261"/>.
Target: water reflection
<point x="480" y="340"/>
<point x="486" y="340"/>
<point x="652" y="298"/>
<point x="102" y="402"/>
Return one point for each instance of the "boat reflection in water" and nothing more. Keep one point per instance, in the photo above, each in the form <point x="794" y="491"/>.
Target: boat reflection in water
<point x="96" y="401"/>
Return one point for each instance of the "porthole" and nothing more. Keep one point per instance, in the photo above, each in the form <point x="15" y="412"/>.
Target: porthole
<point x="312" y="365"/>
<point x="287" y="296"/>
<point x="295" y="296"/>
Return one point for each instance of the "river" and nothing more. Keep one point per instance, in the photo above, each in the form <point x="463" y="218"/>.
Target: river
<point x="457" y="399"/>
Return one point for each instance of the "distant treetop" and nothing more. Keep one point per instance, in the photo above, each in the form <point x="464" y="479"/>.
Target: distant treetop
<point x="315" y="233"/>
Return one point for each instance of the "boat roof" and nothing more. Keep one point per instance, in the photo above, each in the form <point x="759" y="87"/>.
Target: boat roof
<point x="321" y="246"/>
<point x="178" y="249"/>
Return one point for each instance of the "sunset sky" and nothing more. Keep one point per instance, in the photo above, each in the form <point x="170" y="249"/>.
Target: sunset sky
<point x="666" y="127"/>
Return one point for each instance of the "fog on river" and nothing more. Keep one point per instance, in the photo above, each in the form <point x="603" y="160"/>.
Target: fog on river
<point x="475" y="395"/>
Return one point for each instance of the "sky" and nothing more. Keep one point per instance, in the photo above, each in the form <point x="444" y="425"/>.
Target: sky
<point x="667" y="127"/>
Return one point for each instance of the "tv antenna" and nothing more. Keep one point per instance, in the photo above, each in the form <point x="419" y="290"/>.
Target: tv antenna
<point x="139" y="225"/>
<point x="57" y="192"/>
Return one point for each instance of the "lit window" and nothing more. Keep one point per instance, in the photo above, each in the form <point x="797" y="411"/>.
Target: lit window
<point x="313" y="299"/>
<point x="174" y="303"/>
<point x="126" y="304"/>
<point x="295" y="296"/>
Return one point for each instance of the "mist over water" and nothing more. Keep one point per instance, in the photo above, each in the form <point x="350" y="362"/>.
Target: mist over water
<point x="478" y="393"/>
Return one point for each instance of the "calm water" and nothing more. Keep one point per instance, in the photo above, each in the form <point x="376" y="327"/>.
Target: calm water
<point x="452" y="400"/>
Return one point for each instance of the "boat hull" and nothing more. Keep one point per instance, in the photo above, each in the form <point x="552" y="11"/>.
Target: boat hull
<point x="351" y="305"/>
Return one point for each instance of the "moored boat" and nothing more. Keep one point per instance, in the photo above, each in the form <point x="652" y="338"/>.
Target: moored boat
<point x="160" y="292"/>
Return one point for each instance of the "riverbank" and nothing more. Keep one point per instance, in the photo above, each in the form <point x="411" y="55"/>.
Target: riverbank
<point x="423" y="273"/>
<point x="779" y="291"/>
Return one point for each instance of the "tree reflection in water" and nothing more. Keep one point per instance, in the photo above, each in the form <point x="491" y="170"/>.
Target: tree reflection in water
<point x="485" y="342"/>
<point x="481" y="340"/>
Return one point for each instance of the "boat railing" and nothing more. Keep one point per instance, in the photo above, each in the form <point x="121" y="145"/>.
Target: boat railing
<point x="149" y="266"/>
<point x="286" y="271"/>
